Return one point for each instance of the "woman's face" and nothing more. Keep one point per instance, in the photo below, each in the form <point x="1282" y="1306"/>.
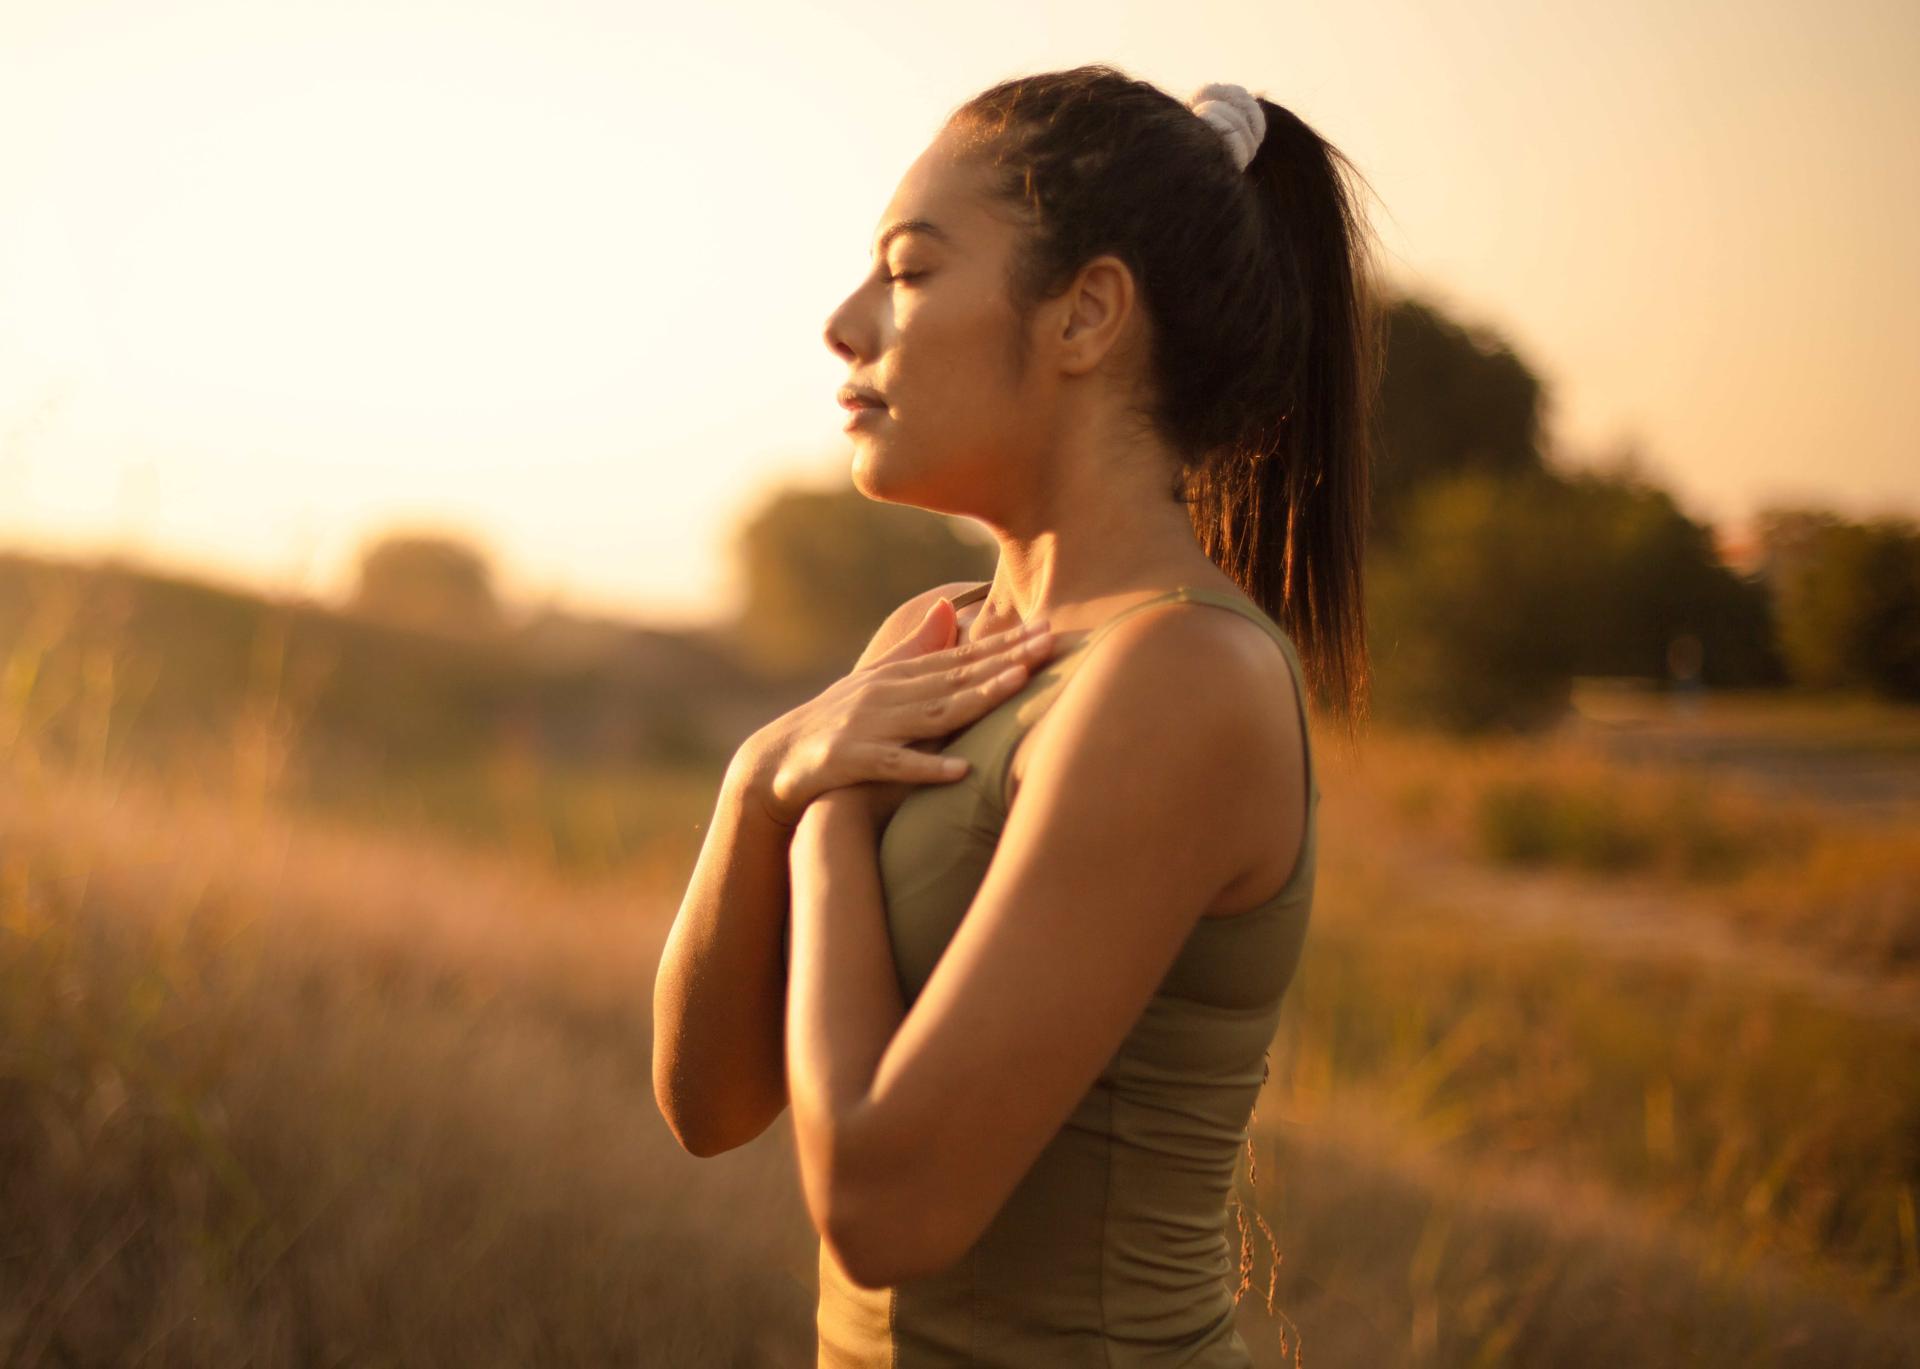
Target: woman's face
<point x="930" y="329"/>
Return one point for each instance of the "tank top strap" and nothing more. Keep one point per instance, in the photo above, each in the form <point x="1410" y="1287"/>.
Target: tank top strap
<point x="1220" y="599"/>
<point x="1053" y="675"/>
<point x="1107" y="625"/>
<point x="1246" y="609"/>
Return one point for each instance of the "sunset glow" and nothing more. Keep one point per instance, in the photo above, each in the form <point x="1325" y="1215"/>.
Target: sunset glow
<point x="278" y="277"/>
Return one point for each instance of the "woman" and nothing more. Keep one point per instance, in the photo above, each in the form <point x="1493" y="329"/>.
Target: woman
<point x="1047" y="886"/>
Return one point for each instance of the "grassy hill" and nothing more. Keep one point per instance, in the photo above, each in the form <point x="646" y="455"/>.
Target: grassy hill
<point x="275" y="1090"/>
<point x="114" y="667"/>
<point x="326" y="953"/>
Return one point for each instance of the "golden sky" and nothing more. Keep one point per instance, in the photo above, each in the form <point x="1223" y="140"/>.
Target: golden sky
<point x="553" y="274"/>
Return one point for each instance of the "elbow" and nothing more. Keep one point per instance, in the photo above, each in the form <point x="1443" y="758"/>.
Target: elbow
<point x="695" y="1130"/>
<point x="682" y="1127"/>
<point x="703" y="1134"/>
<point x="881" y="1196"/>
<point x="881" y="1239"/>
<point x="869" y="1258"/>
<point x="681" y="1121"/>
<point x="705" y="1120"/>
<point x="694" y="1144"/>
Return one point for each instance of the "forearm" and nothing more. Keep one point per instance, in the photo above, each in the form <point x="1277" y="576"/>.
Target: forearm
<point x="719" y="994"/>
<point x="844" y="1004"/>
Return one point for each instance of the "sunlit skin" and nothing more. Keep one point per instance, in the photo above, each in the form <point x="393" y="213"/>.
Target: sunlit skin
<point x="1135" y="812"/>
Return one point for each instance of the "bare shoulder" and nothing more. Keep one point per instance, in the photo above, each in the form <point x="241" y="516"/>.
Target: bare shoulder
<point x="1186" y="636"/>
<point x="1198" y="706"/>
<point x="903" y="619"/>
<point x="1193" y="672"/>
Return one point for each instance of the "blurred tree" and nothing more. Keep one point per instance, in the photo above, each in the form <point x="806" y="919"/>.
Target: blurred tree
<point x="1642" y="576"/>
<point x="426" y="580"/>
<point x="823" y="569"/>
<point x="1846" y="598"/>
<point x="1501" y="588"/>
<point x="1495" y="576"/>
<point x="1451" y="400"/>
<point x="1467" y="610"/>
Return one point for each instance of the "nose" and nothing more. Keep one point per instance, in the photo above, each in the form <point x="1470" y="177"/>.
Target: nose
<point x="850" y="328"/>
<point x="835" y="335"/>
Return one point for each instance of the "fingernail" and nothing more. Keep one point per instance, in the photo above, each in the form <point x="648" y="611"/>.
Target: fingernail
<point x="1037" y="626"/>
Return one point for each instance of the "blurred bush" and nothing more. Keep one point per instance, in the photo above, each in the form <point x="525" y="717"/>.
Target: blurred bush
<point x="432" y="581"/>
<point x="1846" y="599"/>
<point x="824" y="568"/>
<point x="582" y="735"/>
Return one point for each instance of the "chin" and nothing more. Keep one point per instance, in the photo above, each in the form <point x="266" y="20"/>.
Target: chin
<point x="878" y="477"/>
<point x="884" y="473"/>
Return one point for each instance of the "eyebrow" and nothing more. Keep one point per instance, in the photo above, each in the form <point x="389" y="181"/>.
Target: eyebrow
<point x="931" y="229"/>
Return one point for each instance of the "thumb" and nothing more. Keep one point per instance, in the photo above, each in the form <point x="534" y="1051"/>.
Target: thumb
<point x="936" y="629"/>
<point x="934" y="632"/>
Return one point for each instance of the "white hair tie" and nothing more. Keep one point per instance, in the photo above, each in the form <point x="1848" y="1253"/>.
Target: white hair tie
<point x="1235" y="115"/>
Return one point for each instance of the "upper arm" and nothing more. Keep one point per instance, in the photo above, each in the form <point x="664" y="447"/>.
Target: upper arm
<point x="1131" y="819"/>
<point x="905" y="618"/>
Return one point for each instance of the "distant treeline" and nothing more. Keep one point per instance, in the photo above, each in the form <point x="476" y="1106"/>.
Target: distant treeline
<point x="100" y="660"/>
<point x="1495" y="576"/>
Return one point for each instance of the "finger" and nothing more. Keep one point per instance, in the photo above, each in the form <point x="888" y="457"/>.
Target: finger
<point x="935" y="663"/>
<point x="935" y="707"/>
<point x="937" y="629"/>
<point x="964" y="690"/>
<point x="904" y="764"/>
<point x="1021" y="656"/>
<point x="934" y="631"/>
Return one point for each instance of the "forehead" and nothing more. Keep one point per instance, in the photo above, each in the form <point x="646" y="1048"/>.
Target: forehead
<point x="942" y="190"/>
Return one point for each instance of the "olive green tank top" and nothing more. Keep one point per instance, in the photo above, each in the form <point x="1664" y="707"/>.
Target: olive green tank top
<point x="1113" y="1248"/>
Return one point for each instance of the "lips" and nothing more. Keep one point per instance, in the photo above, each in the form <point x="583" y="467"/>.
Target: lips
<point x="860" y="397"/>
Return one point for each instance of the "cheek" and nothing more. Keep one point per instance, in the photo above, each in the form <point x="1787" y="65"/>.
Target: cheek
<point x="956" y="362"/>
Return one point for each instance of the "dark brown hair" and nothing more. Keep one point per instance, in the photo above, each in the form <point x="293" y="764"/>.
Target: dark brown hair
<point x="1265" y="333"/>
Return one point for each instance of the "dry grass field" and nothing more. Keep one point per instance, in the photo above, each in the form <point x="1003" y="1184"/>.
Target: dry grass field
<point x="1602" y="1052"/>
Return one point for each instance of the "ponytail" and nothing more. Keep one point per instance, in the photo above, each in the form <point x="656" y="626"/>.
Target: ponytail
<point x="1283" y="510"/>
<point x="1265" y="348"/>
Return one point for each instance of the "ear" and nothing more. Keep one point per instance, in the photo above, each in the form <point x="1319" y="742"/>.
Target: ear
<point x="1100" y="304"/>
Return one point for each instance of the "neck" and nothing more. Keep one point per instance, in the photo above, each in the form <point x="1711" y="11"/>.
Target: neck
<point x="1097" y="528"/>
